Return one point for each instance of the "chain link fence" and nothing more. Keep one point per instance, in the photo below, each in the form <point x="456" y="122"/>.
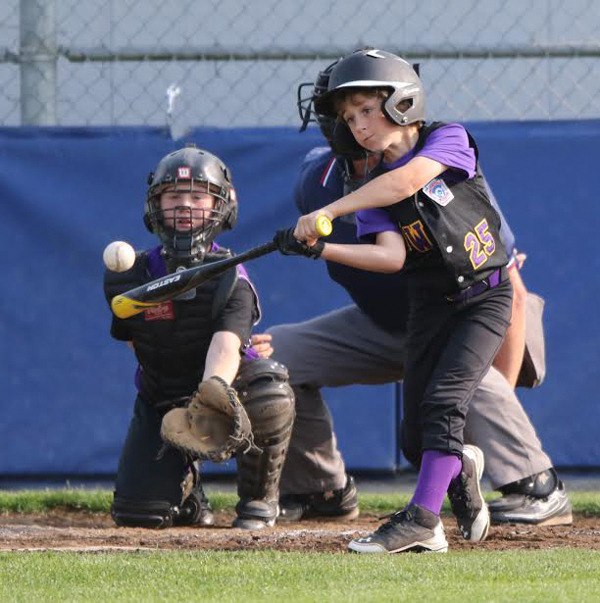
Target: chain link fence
<point x="238" y="62"/>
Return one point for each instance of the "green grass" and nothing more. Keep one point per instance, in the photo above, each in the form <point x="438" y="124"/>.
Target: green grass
<point x="462" y="576"/>
<point x="98" y="501"/>
<point x="545" y="576"/>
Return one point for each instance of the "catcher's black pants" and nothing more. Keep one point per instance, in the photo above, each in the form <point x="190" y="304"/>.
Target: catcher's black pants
<point x="141" y="475"/>
<point x="452" y="345"/>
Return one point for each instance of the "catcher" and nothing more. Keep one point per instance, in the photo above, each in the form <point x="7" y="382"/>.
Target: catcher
<point x="190" y="351"/>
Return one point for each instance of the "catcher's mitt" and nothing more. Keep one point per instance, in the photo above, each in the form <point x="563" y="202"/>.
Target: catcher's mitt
<point x="213" y="426"/>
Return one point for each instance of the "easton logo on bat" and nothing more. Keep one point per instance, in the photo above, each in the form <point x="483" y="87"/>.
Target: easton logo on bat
<point x="166" y="281"/>
<point x="130" y="303"/>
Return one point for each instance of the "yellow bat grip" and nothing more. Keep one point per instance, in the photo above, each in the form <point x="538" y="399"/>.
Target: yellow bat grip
<point x="324" y="226"/>
<point x="124" y="307"/>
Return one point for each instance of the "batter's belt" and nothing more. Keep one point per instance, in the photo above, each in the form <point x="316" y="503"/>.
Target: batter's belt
<point x="490" y="282"/>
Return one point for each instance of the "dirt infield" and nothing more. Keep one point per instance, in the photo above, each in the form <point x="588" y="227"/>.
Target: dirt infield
<point x="77" y="531"/>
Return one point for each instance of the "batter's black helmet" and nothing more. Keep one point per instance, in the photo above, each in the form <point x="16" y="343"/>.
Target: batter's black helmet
<point x="189" y="166"/>
<point x="373" y="68"/>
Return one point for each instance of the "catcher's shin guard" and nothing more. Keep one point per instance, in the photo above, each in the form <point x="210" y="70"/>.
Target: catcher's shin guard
<point x="264" y="391"/>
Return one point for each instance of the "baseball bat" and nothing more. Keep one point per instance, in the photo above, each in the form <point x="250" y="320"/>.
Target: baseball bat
<point x="168" y="287"/>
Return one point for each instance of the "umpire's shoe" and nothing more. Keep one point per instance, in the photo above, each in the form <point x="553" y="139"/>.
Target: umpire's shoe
<point x="255" y="514"/>
<point x="554" y="509"/>
<point x="334" y="505"/>
<point x="466" y="500"/>
<point x="414" y="529"/>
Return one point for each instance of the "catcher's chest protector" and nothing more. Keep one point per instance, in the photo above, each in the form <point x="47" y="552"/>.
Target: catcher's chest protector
<point x="171" y="342"/>
<point x="263" y="389"/>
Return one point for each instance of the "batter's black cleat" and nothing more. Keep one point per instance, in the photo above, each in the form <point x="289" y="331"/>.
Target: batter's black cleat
<point x="414" y="529"/>
<point x="334" y="505"/>
<point x="256" y="514"/>
<point x="195" y="510"/>
<point x="466" y="500"/>
<point x="551" y="510"/>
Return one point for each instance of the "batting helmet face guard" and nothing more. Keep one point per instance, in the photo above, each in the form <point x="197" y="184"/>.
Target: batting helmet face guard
<point x="186" y="169"/>
<point x="338" y="135"/>
<point x="375" y="68"/>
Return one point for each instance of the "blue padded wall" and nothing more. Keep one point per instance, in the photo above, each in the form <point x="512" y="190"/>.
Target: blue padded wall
<point x="67" y="192"/>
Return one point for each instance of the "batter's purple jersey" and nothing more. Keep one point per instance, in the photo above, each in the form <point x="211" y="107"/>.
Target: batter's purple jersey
<point x="448" y="145"/>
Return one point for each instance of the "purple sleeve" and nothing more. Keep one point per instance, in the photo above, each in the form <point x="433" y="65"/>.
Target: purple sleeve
<point x="369" y="222"/>
<point x="450" y="145"/>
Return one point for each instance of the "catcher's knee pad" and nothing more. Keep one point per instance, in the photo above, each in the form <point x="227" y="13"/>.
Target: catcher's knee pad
<point x="154" y="514"/>
<point x="268" y="398"/>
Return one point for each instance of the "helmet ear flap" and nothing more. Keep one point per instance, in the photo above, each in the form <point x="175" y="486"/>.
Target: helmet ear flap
<point x="147" y="206"/>
<point x="148" y="223"/>
<point x="231" y="213"/>
<point x="230" y="219"/>
<point x="386" y="112"/>
<point x="147" y="212"/>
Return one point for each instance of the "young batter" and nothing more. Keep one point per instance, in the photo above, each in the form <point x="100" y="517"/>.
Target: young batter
<point x="428" y="213"/>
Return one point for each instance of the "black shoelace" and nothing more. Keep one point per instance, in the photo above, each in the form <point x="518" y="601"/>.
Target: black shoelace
<point x="394" y="520"/>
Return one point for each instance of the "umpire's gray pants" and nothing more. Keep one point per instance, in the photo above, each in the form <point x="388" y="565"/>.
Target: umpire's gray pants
<point x="345" y="347"/>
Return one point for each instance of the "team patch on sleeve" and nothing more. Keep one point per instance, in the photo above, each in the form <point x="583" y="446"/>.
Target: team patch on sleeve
<point x="437" y="190"/>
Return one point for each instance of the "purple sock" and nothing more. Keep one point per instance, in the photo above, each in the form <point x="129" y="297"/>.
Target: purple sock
<point x="438" y="469"/>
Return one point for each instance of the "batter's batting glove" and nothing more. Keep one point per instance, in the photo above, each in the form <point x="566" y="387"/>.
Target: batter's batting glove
<point x="289" y="245"/>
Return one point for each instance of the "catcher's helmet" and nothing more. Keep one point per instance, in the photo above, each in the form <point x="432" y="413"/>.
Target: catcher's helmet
<point x="338" y="135"/>
<point x="373" y="68"/>
<point x="189" y="166"/>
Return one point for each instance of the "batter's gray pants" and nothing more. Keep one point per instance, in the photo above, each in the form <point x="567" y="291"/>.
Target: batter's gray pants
<point x="345" y="347"/>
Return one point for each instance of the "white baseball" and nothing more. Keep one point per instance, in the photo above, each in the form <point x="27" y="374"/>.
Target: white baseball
<point x="119" y="256"/>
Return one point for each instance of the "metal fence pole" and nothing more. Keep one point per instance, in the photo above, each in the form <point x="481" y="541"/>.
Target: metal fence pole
<point x="38" y="58"/>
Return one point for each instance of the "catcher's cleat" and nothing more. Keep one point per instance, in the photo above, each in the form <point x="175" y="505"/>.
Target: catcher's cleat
<point x="466" y="500"/>
<point x="334" y="505"/>
<point x="195" y="510"/>
<point x="551" y="510"/>
<point x="414" y="529"/>
<point x="255" y="514"/>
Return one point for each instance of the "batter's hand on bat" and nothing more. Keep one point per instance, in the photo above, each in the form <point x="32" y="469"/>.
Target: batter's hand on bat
<point x="288" y="244"/>
<point x="261" y="344"/>
<point x="314" y="225"/>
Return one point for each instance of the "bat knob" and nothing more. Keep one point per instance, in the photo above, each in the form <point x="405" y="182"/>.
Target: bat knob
<point x="324" y="226"/>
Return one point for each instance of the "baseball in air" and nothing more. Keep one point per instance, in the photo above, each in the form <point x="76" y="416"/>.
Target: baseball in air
<point x="119" y="256"/>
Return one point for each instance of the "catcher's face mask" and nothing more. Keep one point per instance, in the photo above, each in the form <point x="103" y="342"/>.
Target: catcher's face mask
<point x="186" y="179"/>
<point x="187" y="208"/>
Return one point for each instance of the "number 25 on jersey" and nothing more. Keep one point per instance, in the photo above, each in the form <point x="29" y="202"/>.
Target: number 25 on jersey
<point x="480" y="244"/>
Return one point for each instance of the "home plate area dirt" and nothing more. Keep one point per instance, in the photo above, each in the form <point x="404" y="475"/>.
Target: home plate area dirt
<point x="78" y="531"/>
